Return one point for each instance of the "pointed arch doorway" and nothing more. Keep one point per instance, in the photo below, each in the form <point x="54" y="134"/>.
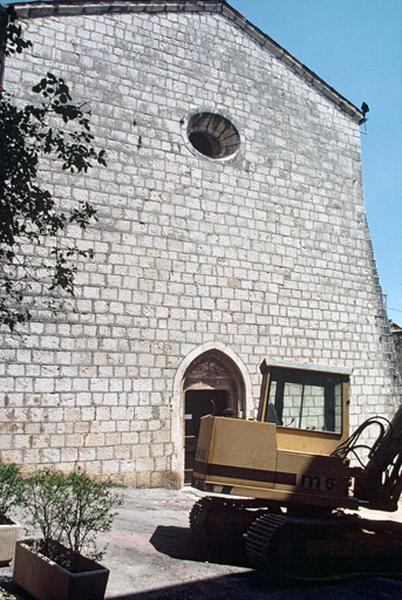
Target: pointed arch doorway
<point x="212" y="383"/>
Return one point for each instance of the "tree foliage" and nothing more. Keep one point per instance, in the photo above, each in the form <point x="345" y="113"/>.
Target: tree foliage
<point x="32" y="222"/>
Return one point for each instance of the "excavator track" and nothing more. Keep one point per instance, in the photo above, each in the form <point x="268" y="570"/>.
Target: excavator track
<point x="322" y="549"/>
<point x="222" y="522"/>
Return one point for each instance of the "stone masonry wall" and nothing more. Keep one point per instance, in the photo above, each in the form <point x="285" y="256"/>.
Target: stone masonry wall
<point x="396" y="332"/>
<point x="267" y="254"/>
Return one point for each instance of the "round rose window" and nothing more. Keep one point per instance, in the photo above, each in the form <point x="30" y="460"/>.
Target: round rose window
<point x="212" y="135"/>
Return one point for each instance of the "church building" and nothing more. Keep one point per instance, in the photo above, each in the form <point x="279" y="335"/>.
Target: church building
<point x="231" y="229"/>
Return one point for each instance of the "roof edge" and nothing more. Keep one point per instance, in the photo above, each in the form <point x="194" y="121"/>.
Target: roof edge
<point x="90" y="7"/>
<point x="302" y="366"/>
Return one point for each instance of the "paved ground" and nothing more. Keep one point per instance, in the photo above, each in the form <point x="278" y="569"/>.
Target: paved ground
<point x="152" y="555"/>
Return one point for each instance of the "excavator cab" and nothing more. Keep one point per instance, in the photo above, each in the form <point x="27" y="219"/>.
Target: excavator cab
<point x="285" y="454"/>
<point x="309" y="406"/>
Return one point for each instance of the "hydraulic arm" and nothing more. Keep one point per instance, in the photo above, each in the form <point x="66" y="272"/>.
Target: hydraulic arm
<point x="380" y="481"/>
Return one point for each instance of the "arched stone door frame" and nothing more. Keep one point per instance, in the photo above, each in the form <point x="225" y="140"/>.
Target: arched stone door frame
<point x="177" y="403"/>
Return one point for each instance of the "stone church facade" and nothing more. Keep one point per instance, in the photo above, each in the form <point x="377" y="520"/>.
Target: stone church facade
<point x="231" y="229"/>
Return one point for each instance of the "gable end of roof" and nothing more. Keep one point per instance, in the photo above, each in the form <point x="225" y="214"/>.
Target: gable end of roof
<point x="49" y="8"/>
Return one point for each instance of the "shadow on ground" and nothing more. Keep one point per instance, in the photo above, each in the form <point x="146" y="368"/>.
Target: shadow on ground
<point x="180" y="543"/>
<point x="9" y="591"/>
<point x="238" y="586"/>
<point x="248" y="586"/>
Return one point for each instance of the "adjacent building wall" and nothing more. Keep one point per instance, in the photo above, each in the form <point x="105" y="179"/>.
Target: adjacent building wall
<point x="396" y="332"/>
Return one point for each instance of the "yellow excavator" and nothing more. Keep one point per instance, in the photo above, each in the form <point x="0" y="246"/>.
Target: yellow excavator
<point x="283" y="484"/>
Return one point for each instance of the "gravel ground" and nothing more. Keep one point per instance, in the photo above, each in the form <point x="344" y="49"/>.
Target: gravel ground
<point x="152" y="555"/>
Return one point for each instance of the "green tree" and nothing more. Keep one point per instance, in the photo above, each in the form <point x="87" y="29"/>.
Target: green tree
<point x="32" y="224"/>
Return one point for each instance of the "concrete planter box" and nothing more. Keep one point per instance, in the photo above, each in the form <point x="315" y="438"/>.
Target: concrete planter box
<point x="8" y="537"/>
<point x="44" y="579"/>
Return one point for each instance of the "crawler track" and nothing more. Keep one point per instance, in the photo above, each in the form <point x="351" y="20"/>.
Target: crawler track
<point x="324" y="549"/>
<point x="222" y="522"/>
<point x="298" y="547"/>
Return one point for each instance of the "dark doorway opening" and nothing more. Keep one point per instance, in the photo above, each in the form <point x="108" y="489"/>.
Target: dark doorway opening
<point x="197" y="404"/>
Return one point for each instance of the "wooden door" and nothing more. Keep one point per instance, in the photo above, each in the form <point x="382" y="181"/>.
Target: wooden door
<point x="197" y="404"/>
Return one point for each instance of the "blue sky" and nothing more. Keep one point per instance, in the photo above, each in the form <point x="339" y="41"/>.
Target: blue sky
<point x="356" y="46"/>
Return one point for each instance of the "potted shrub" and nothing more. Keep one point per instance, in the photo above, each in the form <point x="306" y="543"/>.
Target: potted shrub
<point x="11" y="488"/>
<point x="68" y="510"/>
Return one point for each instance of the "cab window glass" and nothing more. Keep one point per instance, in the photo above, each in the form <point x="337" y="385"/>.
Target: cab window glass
<point x="311" y="401"/>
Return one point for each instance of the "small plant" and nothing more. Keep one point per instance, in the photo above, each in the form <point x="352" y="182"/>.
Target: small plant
<point x="69" y="509"/>
<point x="11" y="487"/>
<point x="44" y="500"/>
<point x="91" y="510"/>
